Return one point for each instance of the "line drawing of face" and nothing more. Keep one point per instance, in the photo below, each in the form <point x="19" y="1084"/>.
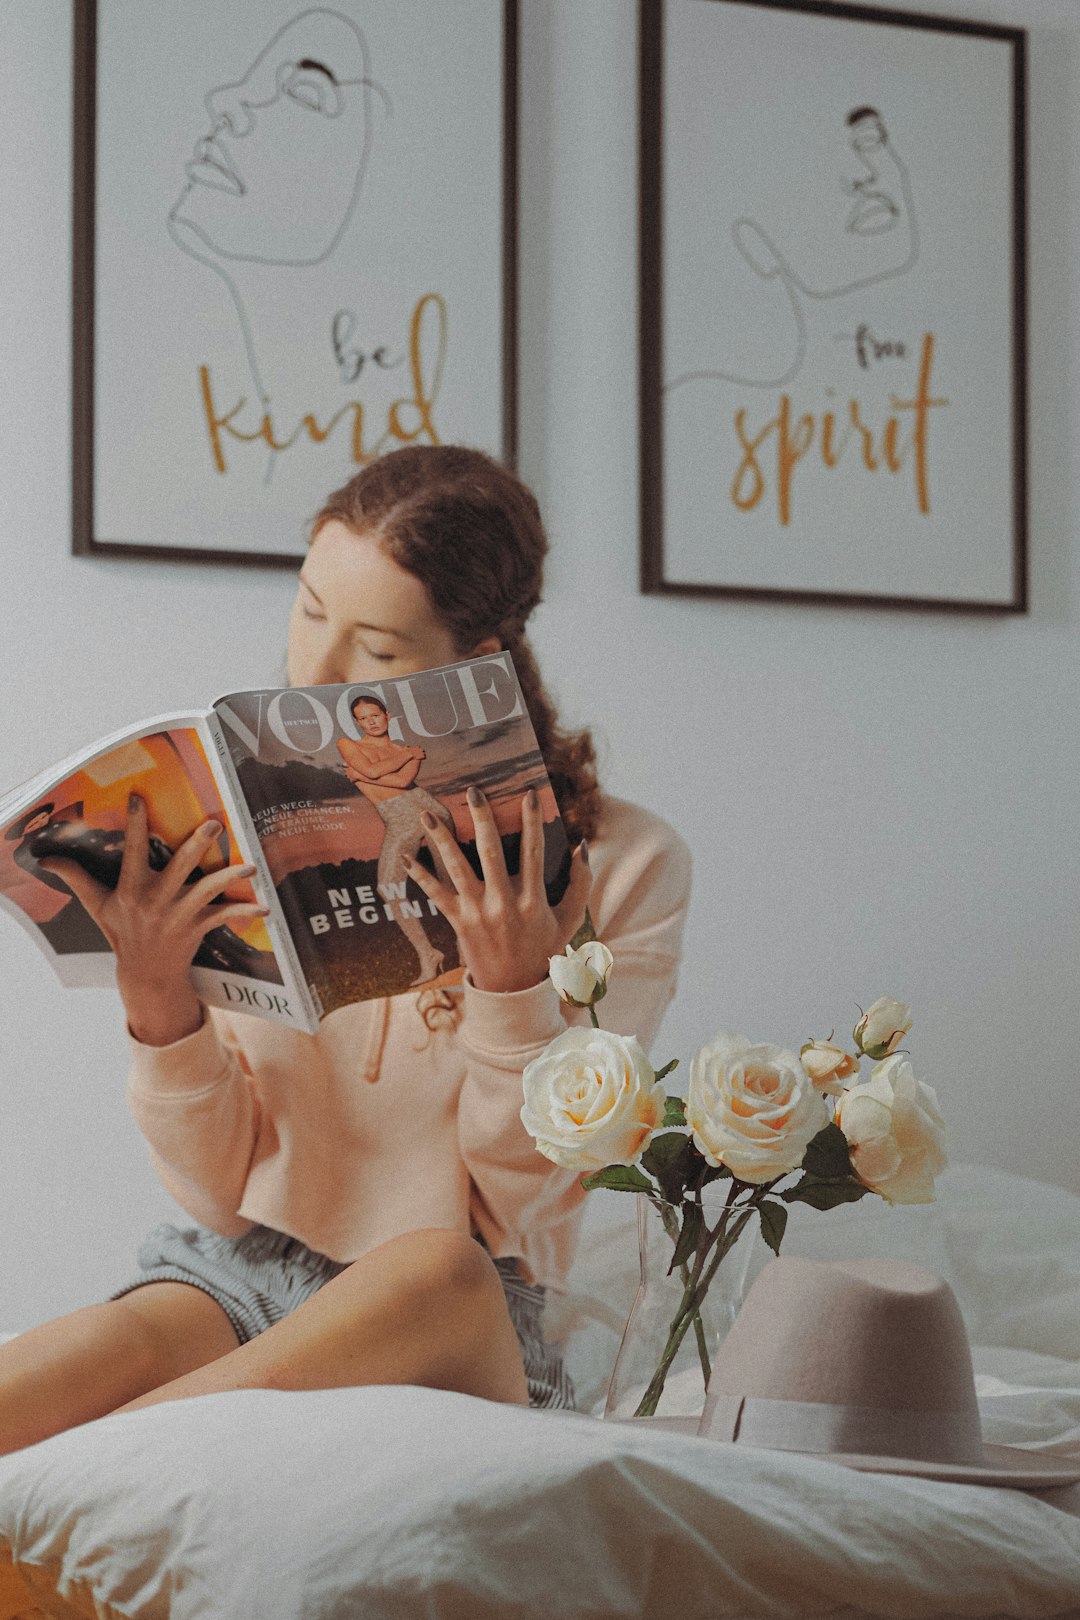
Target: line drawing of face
<point x="875" y="209"/>
<point x="837" y="253"/>
<point x="277" y="176"/>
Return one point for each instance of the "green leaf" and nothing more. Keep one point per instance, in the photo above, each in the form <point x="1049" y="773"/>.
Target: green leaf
<point x="715" y="1172"/>
<point x="674" y="1107"/>
<point x="663" y="1150"/>
<point x="586" y="932"/>
<point x="669" y="1158"/>
<point x="828" y="1155"/>
<point x="773" y="1219"/>
<point x="692" y="1226"/>
<point x="619" y="1178"/>
<point x="823" y="1194"/>
<point x="660" y="1073"/>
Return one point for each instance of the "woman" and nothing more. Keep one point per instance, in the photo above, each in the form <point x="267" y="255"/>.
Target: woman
<point x="370" y="1206"/>
<point x="385" y="773"/>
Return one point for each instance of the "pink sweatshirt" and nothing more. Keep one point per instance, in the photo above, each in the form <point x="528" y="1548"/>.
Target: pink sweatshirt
<point x="378" y="1125"/>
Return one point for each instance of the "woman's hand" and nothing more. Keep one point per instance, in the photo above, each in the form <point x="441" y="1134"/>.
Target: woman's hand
<point x="505" y="928"/>
<point x="156" y="921"/>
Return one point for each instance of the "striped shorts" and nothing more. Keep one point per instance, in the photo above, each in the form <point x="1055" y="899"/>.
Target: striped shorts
<point x="261" y="1277"/>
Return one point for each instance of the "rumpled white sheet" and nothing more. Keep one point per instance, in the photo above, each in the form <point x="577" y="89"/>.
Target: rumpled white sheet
<point x="391" y="1502"/>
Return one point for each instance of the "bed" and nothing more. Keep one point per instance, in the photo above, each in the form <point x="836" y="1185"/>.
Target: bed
<point x="401" y="1502"/>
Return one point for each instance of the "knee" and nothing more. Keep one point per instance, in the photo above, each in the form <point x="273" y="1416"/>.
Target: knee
<point x="441" y="1262"/>
<point x="433" y="1275"/>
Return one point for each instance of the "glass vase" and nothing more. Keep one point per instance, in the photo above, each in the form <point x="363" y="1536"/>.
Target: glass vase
<point x="673" y="1330"/>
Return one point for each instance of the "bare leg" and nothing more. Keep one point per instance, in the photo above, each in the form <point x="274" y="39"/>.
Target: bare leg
<point x="403" y="837"/>
<point x="81" y="1366"/>
<point x="425" y="1308"/>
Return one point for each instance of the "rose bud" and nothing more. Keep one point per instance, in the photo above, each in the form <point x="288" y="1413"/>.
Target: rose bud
<point x="882" y="1027"/>
<point x="581" y="975"/>
<point x="828" y="1066"/>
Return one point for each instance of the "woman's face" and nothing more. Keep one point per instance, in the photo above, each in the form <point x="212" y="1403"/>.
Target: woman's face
<point x="371" y="720"/>
<point x="360" y="617"/>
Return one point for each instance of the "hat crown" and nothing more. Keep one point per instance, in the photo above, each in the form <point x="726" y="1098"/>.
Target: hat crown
<point x="864" y="1333"/>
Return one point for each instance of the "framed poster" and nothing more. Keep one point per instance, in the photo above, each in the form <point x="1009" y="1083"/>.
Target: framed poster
<point x="294" y="250"/>
<point x="833" y="390"/>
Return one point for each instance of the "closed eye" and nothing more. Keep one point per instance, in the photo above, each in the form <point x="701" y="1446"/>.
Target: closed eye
<point x="313" y="86"/>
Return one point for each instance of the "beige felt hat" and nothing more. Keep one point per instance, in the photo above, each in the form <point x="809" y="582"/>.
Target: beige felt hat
<point x="865" y="1362"/>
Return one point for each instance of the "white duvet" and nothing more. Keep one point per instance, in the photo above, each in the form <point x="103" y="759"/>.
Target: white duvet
<point x="402" y="1502"/>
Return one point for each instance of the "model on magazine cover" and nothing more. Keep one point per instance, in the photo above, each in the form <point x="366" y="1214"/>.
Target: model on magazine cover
<point x="385" y="773"/>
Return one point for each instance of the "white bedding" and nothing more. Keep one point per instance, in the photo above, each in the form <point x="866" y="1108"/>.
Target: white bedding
<point x="402" y="1502"/>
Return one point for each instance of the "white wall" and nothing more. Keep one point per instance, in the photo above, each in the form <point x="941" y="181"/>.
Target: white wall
<point x="877" y="801"/>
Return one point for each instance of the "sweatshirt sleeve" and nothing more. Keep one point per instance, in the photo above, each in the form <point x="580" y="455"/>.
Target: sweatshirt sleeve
<point x="524" y="1205"/>
<point x="194" y="1104"/>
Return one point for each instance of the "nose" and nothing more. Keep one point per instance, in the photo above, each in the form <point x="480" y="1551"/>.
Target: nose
<point x="327" y="664"/>
<point x="229" y="110"/>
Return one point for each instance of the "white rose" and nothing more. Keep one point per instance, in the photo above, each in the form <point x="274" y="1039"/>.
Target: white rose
<point x="882" y="1027"/>
<point x="896" y="1133"/>
<point x="592" y="1099"/>
<point x="581" y="975"/>
<point x="752" y="1108"/>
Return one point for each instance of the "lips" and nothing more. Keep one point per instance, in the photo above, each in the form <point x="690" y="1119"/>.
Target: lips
<point x="212" y="166"/>
<point x="873" y="215"/>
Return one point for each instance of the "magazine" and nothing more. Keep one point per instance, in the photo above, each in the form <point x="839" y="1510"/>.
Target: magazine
<point x="320" y="789"/>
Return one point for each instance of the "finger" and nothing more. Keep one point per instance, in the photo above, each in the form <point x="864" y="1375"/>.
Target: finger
<point x="457" y="868"/>
<point x="85" y="888"/>
<point x="435" y="890"/>
<point x="488" y="842"/>
<point x="531" y="867"/>
<point x="135" y="861"/>
<point x="207" y="888"/>
<point x="235" y="911"/>
<point x="190" y="853"/>
<point x="571" y="908"/>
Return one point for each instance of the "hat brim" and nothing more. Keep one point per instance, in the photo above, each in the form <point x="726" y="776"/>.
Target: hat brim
<point x="1007" y="1466"/>
<point x="1002" y="1465"/>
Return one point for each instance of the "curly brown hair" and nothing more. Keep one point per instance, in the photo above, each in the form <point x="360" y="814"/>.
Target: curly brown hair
<point x="472" y="533"/>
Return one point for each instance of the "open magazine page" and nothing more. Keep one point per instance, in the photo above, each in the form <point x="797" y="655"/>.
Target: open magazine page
<point x="81" y="814"/>
<point x="336" y="780"/>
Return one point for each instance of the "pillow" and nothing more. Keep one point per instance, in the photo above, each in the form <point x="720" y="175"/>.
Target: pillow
<point x="395" y="1503"/>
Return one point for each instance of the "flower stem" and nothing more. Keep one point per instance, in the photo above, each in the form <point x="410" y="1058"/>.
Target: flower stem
<point x="694" y="1291"/>
<point x="671" y="1227"/>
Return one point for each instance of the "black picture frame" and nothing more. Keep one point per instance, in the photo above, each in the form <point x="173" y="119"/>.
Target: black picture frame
<point x="660" y="572"/>
<point x="87" y="541"/>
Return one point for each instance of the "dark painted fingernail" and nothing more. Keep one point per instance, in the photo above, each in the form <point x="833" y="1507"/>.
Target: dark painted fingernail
<point x="429" y="821"/>
<point x="585" y="850"/>
<point x="212" y="828"/>
<point x="532" y="799"/>
<point x="475" y="796"/>
<point x="133" y="801"/>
